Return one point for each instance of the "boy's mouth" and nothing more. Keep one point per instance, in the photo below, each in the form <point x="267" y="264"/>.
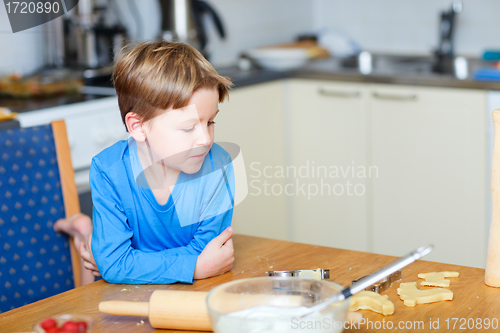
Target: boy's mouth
<point x="203" y="149"/>
<point x="198" y="156"/>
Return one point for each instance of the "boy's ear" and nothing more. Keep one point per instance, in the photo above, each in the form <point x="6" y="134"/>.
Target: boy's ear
<point x="134" y="126"/>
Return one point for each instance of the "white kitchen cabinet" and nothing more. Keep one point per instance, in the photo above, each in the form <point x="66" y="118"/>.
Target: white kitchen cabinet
<point x="430" y="147"/>
<point x="424" y="153"/>
<point x="253" y="119"/>
<point x="326" y="125"/>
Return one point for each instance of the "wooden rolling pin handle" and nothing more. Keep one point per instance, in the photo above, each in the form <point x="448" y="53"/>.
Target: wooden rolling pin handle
<point x="139" y="309"/>
<point x="492" y="273"/>
<point x="187" y="310"/>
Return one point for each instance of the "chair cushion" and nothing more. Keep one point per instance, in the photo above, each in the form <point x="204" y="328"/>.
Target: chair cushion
<point x="35" y="261"/>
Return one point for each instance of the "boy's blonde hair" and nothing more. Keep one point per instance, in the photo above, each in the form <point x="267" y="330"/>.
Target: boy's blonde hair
<point x="154" y="76"/>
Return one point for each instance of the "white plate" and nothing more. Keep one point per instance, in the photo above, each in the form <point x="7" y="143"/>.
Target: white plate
<point x="279" y="59"/>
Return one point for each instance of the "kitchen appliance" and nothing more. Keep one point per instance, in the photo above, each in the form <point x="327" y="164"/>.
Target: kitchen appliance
<point x="82" y="39"/>
<point x="183" y="21"/>
<point x="89" y="41"/>
<point x="445" y="52"/>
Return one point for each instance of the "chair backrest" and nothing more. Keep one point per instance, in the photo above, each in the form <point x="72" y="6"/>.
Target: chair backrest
<point x="36" y="189"/>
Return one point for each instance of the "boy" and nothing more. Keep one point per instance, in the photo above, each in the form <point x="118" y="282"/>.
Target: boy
<point x="165" y="193"/>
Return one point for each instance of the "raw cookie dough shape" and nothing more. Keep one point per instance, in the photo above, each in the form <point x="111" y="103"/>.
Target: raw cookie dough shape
<point x="412" y="296"/>
<point x="437" y="279"/>
<point x="369" y="300"/>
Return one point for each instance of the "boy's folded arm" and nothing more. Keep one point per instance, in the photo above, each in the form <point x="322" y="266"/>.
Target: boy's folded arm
<point x="131" y="266"/>
<point x="217" y="211"/>
<point x="128" y="265"/>
<point x="206" y="231"/>
<point x="116" y="259"/>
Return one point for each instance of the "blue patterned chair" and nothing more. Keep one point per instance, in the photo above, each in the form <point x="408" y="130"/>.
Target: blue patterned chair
<point x="36" y="189"/>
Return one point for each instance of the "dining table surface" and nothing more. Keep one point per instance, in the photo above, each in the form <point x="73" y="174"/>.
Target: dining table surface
<point x="475" y="306"/>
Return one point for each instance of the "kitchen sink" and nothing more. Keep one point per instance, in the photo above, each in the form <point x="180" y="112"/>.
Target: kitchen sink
<point x="393" y="64"/>
<point x="396" y="66"/>
<point x="403" y="64"/>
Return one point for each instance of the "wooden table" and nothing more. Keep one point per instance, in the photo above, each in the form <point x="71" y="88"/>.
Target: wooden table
<point x="473" y="300"/>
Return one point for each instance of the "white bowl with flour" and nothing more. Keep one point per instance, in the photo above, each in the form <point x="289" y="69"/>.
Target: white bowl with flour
<point x="266" y="304"/>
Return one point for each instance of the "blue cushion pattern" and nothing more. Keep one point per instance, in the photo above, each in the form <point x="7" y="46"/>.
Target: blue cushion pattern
<point x="35" y="261"/>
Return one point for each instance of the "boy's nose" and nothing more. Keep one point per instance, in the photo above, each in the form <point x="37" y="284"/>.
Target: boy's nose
<point x="204" y="139"/>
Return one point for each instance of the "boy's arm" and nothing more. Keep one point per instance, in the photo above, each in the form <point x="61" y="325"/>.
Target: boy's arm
<point x="206" y="231"/>
<point x="217" y="210"/>
<point x="117" y="260"/>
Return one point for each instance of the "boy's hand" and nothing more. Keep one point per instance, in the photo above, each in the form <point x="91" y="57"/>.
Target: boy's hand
<point x="88" y="259"/>
<point x="217" y="257"/>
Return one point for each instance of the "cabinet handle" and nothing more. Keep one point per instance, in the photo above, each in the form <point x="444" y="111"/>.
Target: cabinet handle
<point x="338" y="93"/>
<point x="396" y="97"/>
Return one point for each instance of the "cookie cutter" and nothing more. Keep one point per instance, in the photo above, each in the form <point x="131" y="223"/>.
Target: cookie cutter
<point x="383" y="284"/>
<point x="324" y="273"/>
<point x="310" y="292"/>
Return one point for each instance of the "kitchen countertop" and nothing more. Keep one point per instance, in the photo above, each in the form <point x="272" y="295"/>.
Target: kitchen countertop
<point x="417" y="73"/>
<point x="387" y="69"/>
<point x="473" y="302"/>
<point x="21" y="105"/>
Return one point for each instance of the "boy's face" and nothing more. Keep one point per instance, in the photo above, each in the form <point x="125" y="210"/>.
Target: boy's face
<point x="181" y="138"/>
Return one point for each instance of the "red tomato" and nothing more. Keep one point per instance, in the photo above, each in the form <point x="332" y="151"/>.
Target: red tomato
<point x="69" y="326"/>
<point x="82" y="326"/>
<point x="52" y="330"/>
<point x="48" y="323"/>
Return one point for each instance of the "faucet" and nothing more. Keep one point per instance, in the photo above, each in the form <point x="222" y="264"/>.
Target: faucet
<point x="444" y="54"/>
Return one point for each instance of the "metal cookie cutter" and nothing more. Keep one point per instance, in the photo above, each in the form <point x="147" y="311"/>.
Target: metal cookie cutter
<point x="383" y="284"/>
<point x="322" y="273"/>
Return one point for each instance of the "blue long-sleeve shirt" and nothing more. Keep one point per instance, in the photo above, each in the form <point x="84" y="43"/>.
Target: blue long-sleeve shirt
<point x="136" y="240"/>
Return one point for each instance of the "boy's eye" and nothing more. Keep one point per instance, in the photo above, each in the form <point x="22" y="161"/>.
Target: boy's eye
<point x="190" y="129"/>
<point x="211" y="122"/>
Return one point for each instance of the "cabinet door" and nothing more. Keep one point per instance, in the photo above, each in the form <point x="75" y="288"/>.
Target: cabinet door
<point x="327" y="173"/>
<point x="429" y="145"/>
<point x="253" y="119"/>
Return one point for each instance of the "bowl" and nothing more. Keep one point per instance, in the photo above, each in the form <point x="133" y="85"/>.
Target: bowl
<point x="272" y="304"/>
<point x="61" y="319"/>
<point x="280" y="59"/>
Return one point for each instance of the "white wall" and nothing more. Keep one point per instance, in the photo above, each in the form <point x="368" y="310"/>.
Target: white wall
<point x="248" y="24"/>
<point x="252" y="23"/>
<point x="20" y="52"/>
<point x="410" y="26"/>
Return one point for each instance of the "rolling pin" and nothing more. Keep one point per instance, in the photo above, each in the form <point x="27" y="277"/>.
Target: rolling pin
<point x="492" y="273"/>
<point x="187" y="310"/>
